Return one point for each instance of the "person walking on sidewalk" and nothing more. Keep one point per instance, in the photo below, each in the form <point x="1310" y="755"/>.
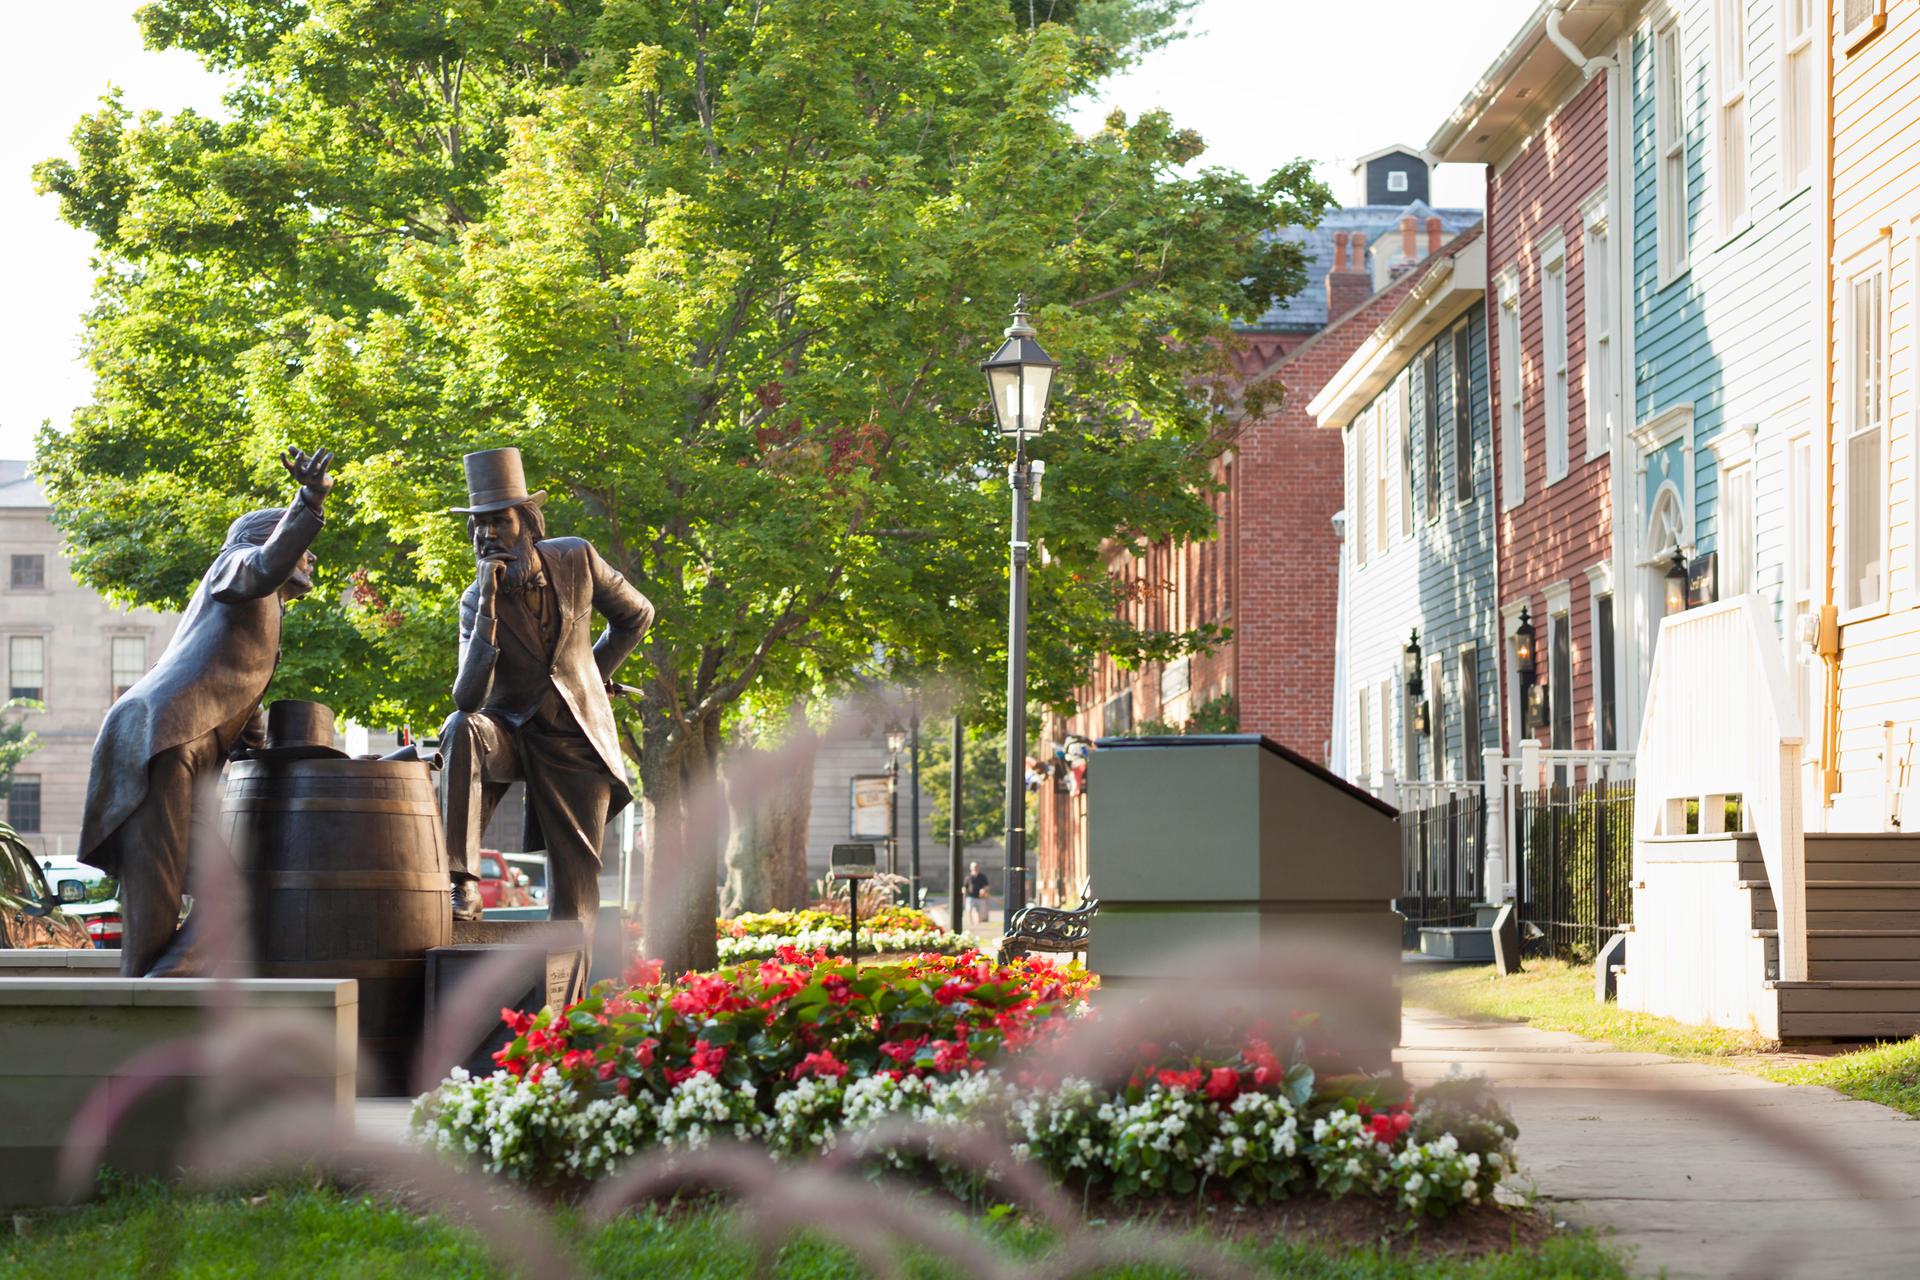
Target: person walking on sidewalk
<point x="978" y="887"/>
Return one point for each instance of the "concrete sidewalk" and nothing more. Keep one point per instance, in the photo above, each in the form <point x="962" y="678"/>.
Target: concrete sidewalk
<point x="1700" y="1170"/>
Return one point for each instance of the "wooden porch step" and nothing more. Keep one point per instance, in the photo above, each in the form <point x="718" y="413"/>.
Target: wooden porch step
<point x="1862" y="846"/>
<point x="1849" y="1009"/>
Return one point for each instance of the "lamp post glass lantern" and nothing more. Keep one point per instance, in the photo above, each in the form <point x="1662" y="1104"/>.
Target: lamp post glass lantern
<point x="1676" y="584"/>
<point x="1019" y="385"/>
<point x="896" y="739"/>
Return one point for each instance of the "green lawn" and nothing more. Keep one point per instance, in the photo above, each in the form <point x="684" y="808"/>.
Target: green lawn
<point x="1559" y="997"/>
<point x="316" y="1233"/>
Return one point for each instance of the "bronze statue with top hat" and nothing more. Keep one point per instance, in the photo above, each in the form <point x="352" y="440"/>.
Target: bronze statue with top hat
<point x="165" y="740"/>
<point x="533" y="690"/>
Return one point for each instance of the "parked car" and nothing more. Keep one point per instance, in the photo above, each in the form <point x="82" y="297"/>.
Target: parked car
<point x="79" y="888"/>
<point x="533" y="870"/>
<point x="500" y="884"/>
<point x="31" y="915"/>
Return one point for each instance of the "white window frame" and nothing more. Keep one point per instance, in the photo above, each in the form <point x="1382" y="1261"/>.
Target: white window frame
<point x="1734" y="536"/>
<point x="1362" y="431"/>
<point x="1671" y="233"/>
<point x="1556" y="366"/>
<point x="1396" y="180"/>
<point x="1385" y="516"/>
<point x="1849" y="36"/>
<point x="1437" y="714"/>
<point x="1407" y="517"/>
<point x="1600" y="313"/>
<point x="1869" y="263"/>
<point x="1560" y="614"/>
<point x="1806" y="520"/>
<point x="1363" y="717"/>
<point x="1732" y="128"/>
<point x="1797" y="114"/>
<point x="1513" y="457"/>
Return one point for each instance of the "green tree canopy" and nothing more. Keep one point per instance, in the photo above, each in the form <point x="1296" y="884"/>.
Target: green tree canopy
<point x="723" y="270"/>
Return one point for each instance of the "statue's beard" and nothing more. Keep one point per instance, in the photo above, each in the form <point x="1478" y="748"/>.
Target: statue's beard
<point x="521" y="559"/>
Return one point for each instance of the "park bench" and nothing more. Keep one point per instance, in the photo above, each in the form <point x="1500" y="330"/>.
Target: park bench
<point x="1054" y="929"/>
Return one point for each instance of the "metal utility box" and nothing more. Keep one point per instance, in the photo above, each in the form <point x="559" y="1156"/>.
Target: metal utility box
<point x="1232" y="861"/>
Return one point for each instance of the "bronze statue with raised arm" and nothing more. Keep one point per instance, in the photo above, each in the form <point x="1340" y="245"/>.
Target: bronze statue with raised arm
<point x="165" y="740"/>
<point x="533" y="690"/>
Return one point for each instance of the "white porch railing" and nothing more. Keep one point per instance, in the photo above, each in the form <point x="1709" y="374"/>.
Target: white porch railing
<point x="1720" y="721"/>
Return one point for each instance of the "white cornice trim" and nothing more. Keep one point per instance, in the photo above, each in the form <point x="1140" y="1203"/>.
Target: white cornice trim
<point x="1733" y="447"/>
<point x="1663" y="428"/>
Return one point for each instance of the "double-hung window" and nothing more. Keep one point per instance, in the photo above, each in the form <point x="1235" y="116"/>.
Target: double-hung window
<point x="129" y="654"/>
<point x="1670" y="141"/>
<point x="1363" y="721"/>
<point x="1598" y="377"/>
<point x="27" y="668"/>
<point x="1553" y="344"/>
<point x="1797" y="107"/>
<point x="1470" y="712"/>
<point x="1463" y="411"/>
<point x="1560" y="674"/>
<point x="1860" y="21"/>
<point x="1736" y="531"/>
<point x="1384" y="509"/>
<point x="1864" y="397"/>
<point x="1362" y="431"/>
<point x="1730" y="74"/>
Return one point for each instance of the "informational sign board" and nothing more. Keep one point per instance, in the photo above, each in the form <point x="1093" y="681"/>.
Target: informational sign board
<point x="1703" y="580"/>
<point x="853" y="862"/>
<point x="872" y="812"/>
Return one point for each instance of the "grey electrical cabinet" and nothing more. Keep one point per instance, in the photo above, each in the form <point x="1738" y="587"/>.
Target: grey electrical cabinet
<point x="1230" y="865"/>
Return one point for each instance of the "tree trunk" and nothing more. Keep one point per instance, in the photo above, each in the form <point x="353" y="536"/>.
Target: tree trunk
<point x="770" y="794"/>
<point x="685" y="821"/>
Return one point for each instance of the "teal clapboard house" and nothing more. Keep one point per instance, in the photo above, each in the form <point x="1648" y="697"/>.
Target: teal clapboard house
<point x="1412" y="405"/>
<point x="1724" y="440"/>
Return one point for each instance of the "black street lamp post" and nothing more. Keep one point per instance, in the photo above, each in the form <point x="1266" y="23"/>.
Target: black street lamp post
<point x="896" y="739"/>
<point x="1019" y="382"/>
<point x="913" y="783"/>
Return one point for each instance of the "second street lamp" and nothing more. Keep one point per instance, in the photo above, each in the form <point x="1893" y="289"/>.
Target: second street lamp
<point x="1019" y="383"/>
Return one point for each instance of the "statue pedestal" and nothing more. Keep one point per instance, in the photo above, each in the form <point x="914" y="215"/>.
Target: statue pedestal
<point x="494" y="965"/>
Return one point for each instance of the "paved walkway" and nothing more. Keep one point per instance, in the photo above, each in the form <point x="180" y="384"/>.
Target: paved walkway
<point x="1701" y="1170"/>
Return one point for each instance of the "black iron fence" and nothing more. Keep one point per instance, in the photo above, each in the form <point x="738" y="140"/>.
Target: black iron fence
<point x="1441" y="854"/>
<point x="1574" y="861"/>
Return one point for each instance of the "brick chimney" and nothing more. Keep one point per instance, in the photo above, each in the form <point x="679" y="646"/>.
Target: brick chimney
<point x="1409" y="237"/>
<point x="1435" y="236"/>
<point x="1348" y="284"/>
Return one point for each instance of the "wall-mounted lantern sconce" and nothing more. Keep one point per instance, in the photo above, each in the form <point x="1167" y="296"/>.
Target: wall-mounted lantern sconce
<point x="1676" y="582"/>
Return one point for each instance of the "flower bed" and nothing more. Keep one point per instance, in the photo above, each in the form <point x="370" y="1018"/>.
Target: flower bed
<point x="759" y="936"/>
<point x="798" y="1053"/>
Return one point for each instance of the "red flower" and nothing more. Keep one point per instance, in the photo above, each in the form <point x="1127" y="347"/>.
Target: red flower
<point x="837" y="989"/>
<point x="822" y="1064"/>
<point x="607" y="1069"/>
<point x="623" y="1086"/>
<point x="706" y="995"/>
<point x="643" y="1052"/>
<point x="709" y="1058"/>
<point x="574" y="1059"/>
<point x="950" y="1055"/>
<point x="1188" y="1080"/>
<point x="517" y="1022"/>
<point x="903" y="1051"/>
<point x="1223" y="1085"/>
<point x="641" y="973"/>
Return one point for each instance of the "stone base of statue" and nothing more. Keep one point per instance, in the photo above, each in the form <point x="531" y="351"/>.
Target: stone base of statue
<point x="1231" y="866"/>
<point x="492" y="965"/>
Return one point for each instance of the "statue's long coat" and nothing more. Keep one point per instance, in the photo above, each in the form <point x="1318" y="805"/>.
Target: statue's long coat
<point x="212" y="674"/>
<point x="576" y="666"/>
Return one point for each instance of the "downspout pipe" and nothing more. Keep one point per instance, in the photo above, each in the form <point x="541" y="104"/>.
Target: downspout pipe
<point x="1589" y="67"/>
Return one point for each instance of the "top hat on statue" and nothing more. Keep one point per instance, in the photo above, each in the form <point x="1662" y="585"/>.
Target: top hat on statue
<point x="496" y="481"/>
<point x="299" y="731"/>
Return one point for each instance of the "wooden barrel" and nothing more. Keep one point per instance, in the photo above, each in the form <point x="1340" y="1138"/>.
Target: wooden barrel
<point x="347" y="866"/>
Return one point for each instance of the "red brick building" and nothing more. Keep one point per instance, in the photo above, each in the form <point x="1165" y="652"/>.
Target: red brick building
<point x="1271" y="576"/>
<point x="1550" y="296"/>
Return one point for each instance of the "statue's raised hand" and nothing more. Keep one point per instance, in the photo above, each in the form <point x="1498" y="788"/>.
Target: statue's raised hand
<point x="310" y="470"/>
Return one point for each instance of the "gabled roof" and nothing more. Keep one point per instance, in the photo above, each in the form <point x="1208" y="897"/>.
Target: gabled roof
<point x="1445" y="286"/>
<point x="1530" y="78"/>
<point x="1307" y="309"/>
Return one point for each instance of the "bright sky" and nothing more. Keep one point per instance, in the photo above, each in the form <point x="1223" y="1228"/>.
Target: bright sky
<point x="1262" y="80"/>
